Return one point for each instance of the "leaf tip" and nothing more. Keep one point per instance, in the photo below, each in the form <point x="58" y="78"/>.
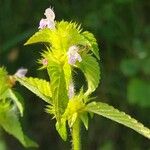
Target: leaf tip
<point x="26" y="43"/>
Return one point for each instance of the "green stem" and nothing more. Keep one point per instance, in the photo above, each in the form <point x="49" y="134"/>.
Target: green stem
<point x="76" y="145"/>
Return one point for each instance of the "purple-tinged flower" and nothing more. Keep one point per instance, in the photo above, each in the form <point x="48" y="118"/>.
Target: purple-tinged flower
<point x="48" y="22"/>
<point x="71" y="90"/>
<point x="43" y="23"/>
<point x="21" y="72"/>
<point x="73" y="55"/>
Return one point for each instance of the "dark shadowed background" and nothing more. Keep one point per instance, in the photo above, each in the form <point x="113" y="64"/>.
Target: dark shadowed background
<point x="122" y="29"/>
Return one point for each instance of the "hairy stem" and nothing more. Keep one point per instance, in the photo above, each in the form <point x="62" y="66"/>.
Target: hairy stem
<point x="76" y="145"/>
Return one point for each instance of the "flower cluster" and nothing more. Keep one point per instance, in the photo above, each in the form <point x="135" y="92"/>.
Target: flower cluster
<point x="48" y="22"/>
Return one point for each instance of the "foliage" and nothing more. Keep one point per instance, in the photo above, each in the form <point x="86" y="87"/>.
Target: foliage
<point x="10" y="104"/>
<point x="122" y="36"/>
<point x="111" y="113"/>
<point x="64" y="43"/>
<point x="88" y="66"/>
<point x="39" y="87"/>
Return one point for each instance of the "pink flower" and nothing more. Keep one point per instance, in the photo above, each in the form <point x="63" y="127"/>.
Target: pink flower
<point x="73" y="55"/>
<point x="48" y="22"/>
<point x="45" y="23"/>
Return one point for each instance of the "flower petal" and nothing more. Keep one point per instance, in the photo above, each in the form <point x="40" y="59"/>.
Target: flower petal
<point x="21" y="72"/>
<point x="43" y="23"/>
<point x="49" y="13"/>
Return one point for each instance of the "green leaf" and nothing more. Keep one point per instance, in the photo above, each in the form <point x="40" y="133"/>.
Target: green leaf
<point x="4" y="86"/>
<point x="91" y="70"/>
<point x="10" y="123"/>
<point x="67" y="73"/>
<point x="29" y="142"/>
<point x="110" y="112"/>
<point x="92" y="43"/>
<point x="61" y="128"/>
<point x="42" y="36"/>
<point x="58" y="88"/>
<point x="138" y="92"/>
<point x="85" y="119"/>
<point x="18" y="100"/>
<point x="38" y="86"/>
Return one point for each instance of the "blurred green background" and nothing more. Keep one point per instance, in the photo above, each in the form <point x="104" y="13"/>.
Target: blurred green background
<point x="122" y="29"/>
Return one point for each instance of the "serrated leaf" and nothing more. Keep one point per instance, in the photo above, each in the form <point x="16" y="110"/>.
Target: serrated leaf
<point x="10" y="123"/>
<point x="91" y="41"/>
<point x="58" y="88"/>
<point x="18" y="100"/>
<point x="90" y="67"/>
<point x="42" y="36"/>
<point x="110" y="112"/>
<point x="38" y="86"/>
